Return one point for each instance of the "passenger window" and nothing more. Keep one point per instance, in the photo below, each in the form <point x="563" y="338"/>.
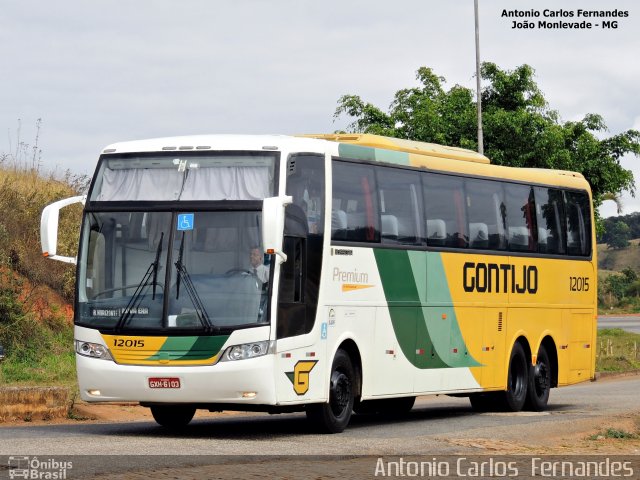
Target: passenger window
<point x="400" y="206"/>
<point x="550" y="220"/>
<point x="487" y="214"/>
<point x="354" y="215"/>
<point x="445" y="211"/>
<point x="578" y="223"/>
<point x="520" y="217"/>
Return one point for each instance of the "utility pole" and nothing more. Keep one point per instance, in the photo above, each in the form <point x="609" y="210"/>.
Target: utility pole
<point x="478" y="86"/>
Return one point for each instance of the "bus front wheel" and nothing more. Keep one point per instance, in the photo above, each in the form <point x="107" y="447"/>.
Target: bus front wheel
<point x="334" y="416"/>
<point x="173" y="416"/>
<point x="518" y="380"/>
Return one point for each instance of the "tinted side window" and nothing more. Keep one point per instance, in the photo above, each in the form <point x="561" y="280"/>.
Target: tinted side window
<point x="550" y="220"/>
<point x="487" y="214"/>
<point x="578" y="223"/>
<point x="520" y="217"/>
<point x="400" y="206"/>
<point x="305" y="183"/>
<point x="444" y="203"/>
<point x="354" y="214"/>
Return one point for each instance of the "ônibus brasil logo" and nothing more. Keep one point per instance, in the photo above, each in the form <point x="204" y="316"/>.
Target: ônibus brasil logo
<point x="41" y="469"/>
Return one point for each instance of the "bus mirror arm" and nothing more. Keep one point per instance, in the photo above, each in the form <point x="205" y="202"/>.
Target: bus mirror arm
<point x="281" y="256"/>
<point x="273" y="225"/>
<point x="49" y="228"/>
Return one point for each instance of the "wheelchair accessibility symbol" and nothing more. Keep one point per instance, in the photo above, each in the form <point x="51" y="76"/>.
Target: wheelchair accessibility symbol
<point x="185" y="221"/>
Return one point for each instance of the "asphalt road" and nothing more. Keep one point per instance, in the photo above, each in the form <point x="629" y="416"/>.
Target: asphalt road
<point x="628" y="323"/>
<point x="256" y="446"/>
<point x="430" y="426"/>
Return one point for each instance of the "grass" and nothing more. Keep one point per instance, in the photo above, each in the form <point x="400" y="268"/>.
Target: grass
<point x="41" y="357"/>
<point x="617" y="351"/>
<point x="49" y="364"/>
<point x="615" y="433"/>
<point x="35" y="293"/>
<point x="38" y="344"/>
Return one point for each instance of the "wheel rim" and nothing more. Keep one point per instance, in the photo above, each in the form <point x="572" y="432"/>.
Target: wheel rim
<point x="340" y="395"/>
<point x="541" y="378"/>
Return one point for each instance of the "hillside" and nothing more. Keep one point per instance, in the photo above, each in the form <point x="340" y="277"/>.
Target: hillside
<point x="618" y="260"/>
<point x="35" y="293"/>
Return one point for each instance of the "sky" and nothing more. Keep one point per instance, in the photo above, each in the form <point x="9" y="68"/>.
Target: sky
<point x="105" y="71"/>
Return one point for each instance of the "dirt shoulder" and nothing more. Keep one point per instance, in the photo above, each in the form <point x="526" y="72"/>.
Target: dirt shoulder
<point x="83" y="412"/>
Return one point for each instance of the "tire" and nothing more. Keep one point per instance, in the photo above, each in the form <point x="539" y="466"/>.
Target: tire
<point x="539" y="382"/>
<point x="334" y="416"/>
<point x="518" y="380"/>
<point x="173" y="417"/>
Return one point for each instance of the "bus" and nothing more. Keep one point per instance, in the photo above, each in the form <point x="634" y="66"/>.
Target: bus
<point x="329" y="274"/>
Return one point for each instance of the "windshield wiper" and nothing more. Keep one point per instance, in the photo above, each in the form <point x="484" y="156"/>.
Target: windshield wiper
<point x="155" y="266"/>
<point x="152" y="271"/>
<point x="183" y="274"/>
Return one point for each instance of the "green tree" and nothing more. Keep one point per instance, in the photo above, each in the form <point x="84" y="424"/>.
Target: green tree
<point x="619" y="235"/>
<point x="520" y="129"/>
<point x="617" y="285"/>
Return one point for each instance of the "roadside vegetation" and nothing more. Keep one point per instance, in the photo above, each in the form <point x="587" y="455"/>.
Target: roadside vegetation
<point x="619" y="279"/>
<point x="615" y="433"/>
<point x="35" y="293"/>
<point x="617" y="351"/>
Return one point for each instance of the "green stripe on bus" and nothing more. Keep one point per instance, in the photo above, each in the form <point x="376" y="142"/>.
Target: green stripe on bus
<point x="371" y="154"/>
<point x="356" y="152"/>
<point x="190" y="348"/>
<point x="205" y="347"/>
<point x="445" y="333"/>
<point x="401" y="291"/>
<point x="426" y="338"/>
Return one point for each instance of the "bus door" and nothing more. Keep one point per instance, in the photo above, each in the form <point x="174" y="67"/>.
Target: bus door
<point x="299" y="346"/>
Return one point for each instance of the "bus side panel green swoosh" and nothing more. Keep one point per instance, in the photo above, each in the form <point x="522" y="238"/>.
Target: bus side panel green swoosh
<point x="416" y="326"/>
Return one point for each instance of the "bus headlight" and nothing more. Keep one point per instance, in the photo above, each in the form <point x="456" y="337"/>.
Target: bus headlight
<point x="247" y="350"/>
<point x="93" y="350"/>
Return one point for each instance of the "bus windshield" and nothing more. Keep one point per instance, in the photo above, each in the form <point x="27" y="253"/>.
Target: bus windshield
<point x="174" y="176"/>
<point x="146" y="270"/>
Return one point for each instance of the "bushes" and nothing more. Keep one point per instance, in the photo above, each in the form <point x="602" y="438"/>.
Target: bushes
<point x="23" y="195"/>
<point x="620" y="290"/>
<point x="35" y="292"/>
<point x="37" y="351"/>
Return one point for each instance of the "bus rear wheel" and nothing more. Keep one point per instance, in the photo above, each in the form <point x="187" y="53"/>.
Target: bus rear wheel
<point x="334" y="416"/>
<point x="539" y="382"/>
<point x="173" y="416"/>
<point x="518" y="380"/>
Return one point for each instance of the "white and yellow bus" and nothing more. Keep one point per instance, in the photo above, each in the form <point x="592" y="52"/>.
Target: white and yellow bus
<point x="327" y="274"/>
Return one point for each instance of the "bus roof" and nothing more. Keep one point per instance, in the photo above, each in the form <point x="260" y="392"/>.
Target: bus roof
<point x="364" y="147"/>
<point x="401" y="145"/>
<point x="439" y="157"/>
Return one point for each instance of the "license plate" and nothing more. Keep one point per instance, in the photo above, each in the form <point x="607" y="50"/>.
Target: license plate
<point x="164" y="382"/>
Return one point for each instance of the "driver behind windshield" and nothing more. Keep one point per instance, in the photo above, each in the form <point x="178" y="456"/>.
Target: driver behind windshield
<point x="258" y="268"/>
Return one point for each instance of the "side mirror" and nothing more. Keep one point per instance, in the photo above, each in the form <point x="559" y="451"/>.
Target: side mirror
<point x="273" y="225"/>
<point x="49" y="228"/>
